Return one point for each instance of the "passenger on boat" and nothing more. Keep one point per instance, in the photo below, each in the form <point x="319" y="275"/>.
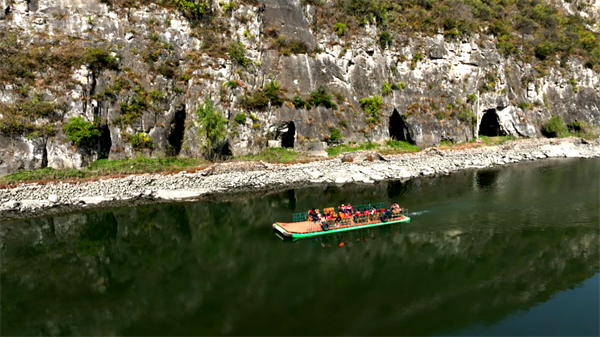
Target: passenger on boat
<point x="338" y="219"/>
<point x="386" y="215"/>
<point x="395" y="207"/>
<point x="313" y="215"/>
<point x="320" y="217"/>
<point x="341" y="208"/>
<point x="322" y="221"/>
<point x="346" y="212"/>
<point x="350" y="209"/>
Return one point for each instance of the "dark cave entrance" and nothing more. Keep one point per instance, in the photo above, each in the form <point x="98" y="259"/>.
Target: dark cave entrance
<point x="175" y="137"/>
<point x="288" y="137"/>
<point x="398" y="128"/>
<point x="105" y="142"/>
<point x="490" y="124"/>
<point x="226" y="150"/>
<point x="45" y="156"/>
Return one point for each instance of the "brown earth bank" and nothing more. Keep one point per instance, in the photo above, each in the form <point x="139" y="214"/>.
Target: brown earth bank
<point x="235" y="178"/>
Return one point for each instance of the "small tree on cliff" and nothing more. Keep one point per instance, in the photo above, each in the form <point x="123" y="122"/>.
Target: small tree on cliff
<point x="81" y="132"/>
<point x="213" y="128"/>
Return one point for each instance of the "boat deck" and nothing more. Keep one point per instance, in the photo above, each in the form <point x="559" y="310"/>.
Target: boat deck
<point x="305" y="227"/>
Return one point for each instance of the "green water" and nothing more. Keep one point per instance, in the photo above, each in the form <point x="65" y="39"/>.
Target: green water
<point x="506" y="251"/>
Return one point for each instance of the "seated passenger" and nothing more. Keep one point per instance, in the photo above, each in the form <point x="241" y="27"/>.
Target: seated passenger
<point x="350" y="209"/>
<point x="319" y="216"/>
<point x="341" y="208"/>
<point x="395" y="207"/>
<point x="346" y="211"/>
<point x="312" y="215"/>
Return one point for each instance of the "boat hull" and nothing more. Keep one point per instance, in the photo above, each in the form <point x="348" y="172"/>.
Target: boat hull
<point x="285" y="233"/>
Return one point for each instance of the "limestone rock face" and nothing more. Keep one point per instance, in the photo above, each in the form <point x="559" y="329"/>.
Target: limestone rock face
<point x="4" y="8"/>
<point x="21" y="154"/>
<point x="431" y="106"/>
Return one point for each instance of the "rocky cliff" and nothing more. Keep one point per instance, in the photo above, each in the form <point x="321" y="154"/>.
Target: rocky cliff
<point x="278" y="71"/>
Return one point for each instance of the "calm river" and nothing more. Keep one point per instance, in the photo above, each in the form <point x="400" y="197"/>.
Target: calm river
<point x="503" y="251"/>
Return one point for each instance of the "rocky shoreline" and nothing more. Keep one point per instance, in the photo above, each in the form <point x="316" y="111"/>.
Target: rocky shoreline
<point x="32" y="199"/>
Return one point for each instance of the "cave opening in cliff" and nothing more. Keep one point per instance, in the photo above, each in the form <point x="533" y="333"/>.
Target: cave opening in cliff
<point x="175" y="137"/>
<point x="398" y="128"/>
<point x="105" y="142"/>
<point x="490" y="124"/>
<point x="226" y="150"/>
<point x="288" y="137"/>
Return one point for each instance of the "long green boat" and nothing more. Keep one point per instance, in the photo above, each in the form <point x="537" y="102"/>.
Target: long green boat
<point x="303" y="227"/>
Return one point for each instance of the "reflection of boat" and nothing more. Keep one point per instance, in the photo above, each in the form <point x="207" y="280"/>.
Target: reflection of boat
<point x="302" y="227"/>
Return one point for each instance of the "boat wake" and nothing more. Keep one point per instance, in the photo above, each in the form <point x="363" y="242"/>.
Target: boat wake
<point x="418" y="213"/>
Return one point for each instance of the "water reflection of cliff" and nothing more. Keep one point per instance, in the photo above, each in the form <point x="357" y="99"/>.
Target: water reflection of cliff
<point x="214" y="268"/>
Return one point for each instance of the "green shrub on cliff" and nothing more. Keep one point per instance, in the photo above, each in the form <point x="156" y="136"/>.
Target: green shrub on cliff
<point x="335" y="136"/>
<point x="372" y="106"/>
<point x="213" y="127"/>
<point x="339" y="28"/>
<point x="555" y="127"/>
<point x="523" y="105"/>
<point x="274" y="92"/>
<point x="582" y="128"/>
<point x="192" y="9"/>
<point x="99" y="59"/>
<point x="466" y="115"/>
<point x="140" y="141"/>
<point x="299" y="103"/>
<point x="555" y="34"/>
<point x="290" y="45"/>
<point x="132" y="110"/>
<point x="386" y="88"/>
<point x="240" y="118"/>
<point x="229" y="7"/>
<point x="321" y="97"/>
<point x="237" y="52"/>
<point x="81" y="132"/>
<point x="416" y="58"/>
<point x="259" y="100"/>
<point x="385" y="39"/>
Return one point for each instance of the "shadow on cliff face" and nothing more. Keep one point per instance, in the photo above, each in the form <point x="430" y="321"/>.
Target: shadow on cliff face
<point x="490" y="124"/>
<point x="398" y="128"/>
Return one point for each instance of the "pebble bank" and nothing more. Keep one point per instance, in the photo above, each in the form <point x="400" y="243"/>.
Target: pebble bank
<point x="32" y="199"/>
